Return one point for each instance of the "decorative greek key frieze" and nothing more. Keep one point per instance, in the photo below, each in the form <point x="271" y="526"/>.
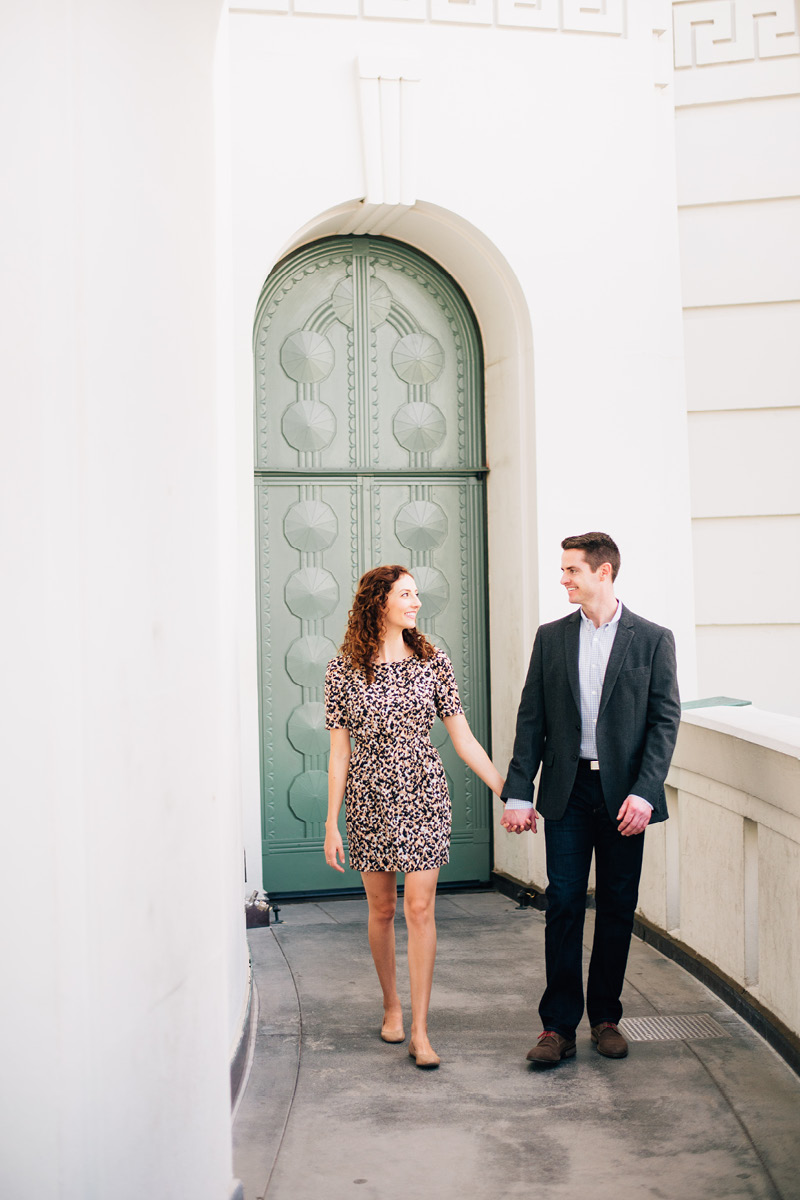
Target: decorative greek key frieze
<point x="569" y="16"/>
<point x="534" y="14"/>
<point x="326" y="8"/>
<point x="709" y="32"/>
<point x="465" y="12"/>
<point x="602" y="16"/>
<point x="397" y="10"/>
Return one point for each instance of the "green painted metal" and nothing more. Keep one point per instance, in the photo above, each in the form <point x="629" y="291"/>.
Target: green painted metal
<point x="369" y="444"/>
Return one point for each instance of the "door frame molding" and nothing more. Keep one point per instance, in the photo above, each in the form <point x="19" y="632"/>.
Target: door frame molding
<point x="497" y="300"/>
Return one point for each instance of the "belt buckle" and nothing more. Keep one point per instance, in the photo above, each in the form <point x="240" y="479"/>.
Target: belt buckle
<point x="594" y="765"/>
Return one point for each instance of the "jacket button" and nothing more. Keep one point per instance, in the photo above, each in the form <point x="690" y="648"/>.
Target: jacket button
<point x="574" y="758"/>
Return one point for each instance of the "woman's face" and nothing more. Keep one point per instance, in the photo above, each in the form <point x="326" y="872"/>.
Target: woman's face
<point x="402" y="605"/>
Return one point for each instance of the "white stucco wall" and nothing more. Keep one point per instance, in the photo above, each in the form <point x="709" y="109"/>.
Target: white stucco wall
<point x="124" y="955"/>
<point x="737" y="130"/>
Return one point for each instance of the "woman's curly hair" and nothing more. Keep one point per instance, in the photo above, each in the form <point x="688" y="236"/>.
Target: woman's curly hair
<point x="365" y="621"/>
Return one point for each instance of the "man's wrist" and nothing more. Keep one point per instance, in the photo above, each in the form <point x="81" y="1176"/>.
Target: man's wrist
<point x="518" y="805"/>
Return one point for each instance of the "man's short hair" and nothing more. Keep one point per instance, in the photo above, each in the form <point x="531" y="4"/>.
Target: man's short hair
<point x="598" y="548"/>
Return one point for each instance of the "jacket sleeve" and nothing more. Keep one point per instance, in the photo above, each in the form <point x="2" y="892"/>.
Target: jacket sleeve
<point x="529" y="737"/>
<point x="662" y="722"/>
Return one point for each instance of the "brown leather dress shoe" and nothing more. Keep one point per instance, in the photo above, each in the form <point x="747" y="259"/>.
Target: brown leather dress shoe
<point x="550" y="1048"/>
<point x="608" y="1040"/>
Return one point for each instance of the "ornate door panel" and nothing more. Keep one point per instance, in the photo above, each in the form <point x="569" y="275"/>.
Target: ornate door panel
<point x="369" y="450"/>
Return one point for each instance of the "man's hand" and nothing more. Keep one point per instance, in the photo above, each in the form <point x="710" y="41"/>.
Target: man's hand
<point x="518" y="820"/>
<point x="634" y="816"/>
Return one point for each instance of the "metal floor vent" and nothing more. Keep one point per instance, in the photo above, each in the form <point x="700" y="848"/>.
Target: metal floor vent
<point x="670" y="1029"/>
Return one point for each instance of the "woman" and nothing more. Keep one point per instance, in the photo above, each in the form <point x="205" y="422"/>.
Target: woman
<point x="384" y="691"/>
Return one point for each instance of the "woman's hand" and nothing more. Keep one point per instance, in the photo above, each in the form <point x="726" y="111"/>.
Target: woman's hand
<point x="518" y="820"/>
<point x="333" y="847"/>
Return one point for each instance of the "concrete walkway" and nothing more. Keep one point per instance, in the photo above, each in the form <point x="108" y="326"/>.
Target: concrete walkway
<point x="331" y="1112"/>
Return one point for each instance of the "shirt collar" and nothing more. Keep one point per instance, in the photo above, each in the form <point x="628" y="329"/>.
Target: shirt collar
<point x="614" y="620"/>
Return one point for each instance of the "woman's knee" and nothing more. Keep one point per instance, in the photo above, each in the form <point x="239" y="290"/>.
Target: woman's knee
<point x="418" y="910"/>
<point x="383" y="910"/>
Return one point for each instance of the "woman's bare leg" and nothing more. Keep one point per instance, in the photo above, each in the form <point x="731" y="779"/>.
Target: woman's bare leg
<point x="418" y="904"/>
<point x="381" y="889"/>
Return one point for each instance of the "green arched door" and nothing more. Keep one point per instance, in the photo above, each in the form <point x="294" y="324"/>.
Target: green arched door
<point x="369" y="449"/>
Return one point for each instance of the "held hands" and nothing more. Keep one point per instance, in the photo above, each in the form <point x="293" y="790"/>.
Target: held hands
<point x="333" y="848"/>
<point x="634" y="816"/>
<point x="519" y="820"/>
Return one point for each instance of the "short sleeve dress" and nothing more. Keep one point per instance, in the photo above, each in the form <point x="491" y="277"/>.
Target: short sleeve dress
<point x="396" y="801"/>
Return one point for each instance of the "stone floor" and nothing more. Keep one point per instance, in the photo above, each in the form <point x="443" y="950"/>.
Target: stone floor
<point x="331" y="1111"/>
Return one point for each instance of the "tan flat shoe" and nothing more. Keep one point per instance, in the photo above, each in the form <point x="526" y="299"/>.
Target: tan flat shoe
<point x="393" y="1035"/>
<point x="425" y="1060"/>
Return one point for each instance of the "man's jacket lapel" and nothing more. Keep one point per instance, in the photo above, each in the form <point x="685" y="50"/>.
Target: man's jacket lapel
<point x="622" y="641"/>
<point x="572" y="635"/>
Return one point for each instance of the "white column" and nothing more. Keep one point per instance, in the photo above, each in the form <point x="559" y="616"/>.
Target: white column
<point x="124" y="961"/>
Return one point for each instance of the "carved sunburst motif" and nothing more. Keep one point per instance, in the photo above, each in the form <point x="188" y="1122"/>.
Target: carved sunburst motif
<point x="307" y="356"/>
<point x="307" y="659"/>
<point x="308" y="797"/>
<point x="434" y="590"/>
<point x="380" y="301"/>
<point x="311" y="593"/>
<point x="418" y="359"/>
<point x="306" y="728"/>
<point x="310" y="525"/>
<point x="309" y="425"/>
<point x="421" y="525"/>
<point x="419" y="427"/>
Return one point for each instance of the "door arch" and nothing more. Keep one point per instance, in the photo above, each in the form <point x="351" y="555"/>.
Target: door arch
<point x="369" y="449"/>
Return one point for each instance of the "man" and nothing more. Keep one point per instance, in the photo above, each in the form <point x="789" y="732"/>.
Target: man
<point x="600" y="713"/>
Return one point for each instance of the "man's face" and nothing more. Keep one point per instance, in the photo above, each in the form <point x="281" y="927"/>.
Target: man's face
<point x="582" y="583"/>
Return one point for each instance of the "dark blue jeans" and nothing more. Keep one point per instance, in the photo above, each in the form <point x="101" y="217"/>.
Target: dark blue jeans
<point x="585" y="827"/>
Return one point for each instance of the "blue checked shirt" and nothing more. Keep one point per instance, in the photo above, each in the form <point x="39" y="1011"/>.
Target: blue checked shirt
<point x="593" y="655"/>
<point x="594" y="652"/>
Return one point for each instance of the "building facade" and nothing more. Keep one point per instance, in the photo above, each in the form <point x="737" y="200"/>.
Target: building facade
<point x="559" y="292"/>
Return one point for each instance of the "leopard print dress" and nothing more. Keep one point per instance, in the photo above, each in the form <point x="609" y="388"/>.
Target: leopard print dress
<point x="396" y="801"/>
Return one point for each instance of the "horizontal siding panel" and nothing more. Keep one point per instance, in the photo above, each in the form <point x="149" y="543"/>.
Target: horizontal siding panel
<point x="740" y="253"/>
<point x="744" y="151"/>
<point x="747" y="571"/>
<point x="745" y="463"/>
<point x="751" y="662"/>
<point x="742" y="357"/>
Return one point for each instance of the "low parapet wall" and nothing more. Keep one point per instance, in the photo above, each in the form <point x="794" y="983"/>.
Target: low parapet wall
<point x="722" y="876"/>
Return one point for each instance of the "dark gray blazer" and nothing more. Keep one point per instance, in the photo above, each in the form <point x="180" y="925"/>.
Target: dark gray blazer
<point x="637" y="724"/>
